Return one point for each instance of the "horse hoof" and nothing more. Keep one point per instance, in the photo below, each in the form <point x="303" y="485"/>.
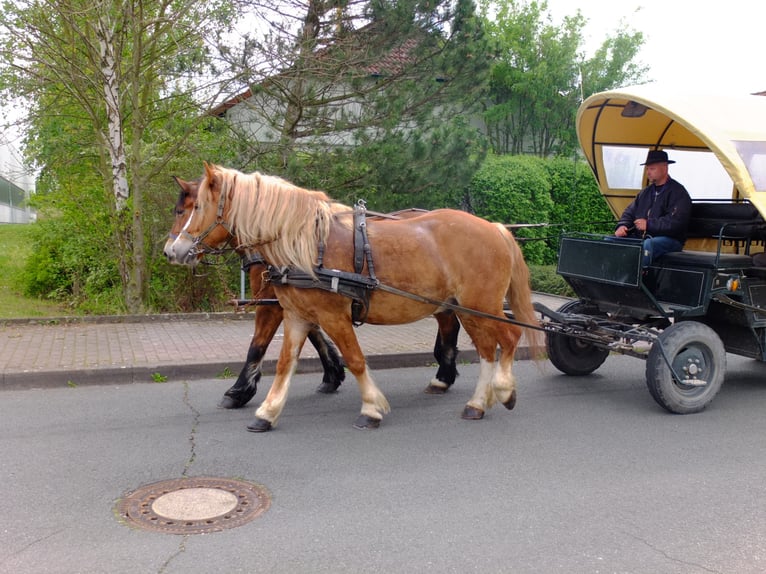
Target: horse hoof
<point x="436" y="389"/>
<point x="511" y="402"/>
<point x="230" y="403"/>
<point x="472" y="414"/>
<point x="363" y="422"/>
<point x="327" y="388"/>
<point x="259" y="425"/>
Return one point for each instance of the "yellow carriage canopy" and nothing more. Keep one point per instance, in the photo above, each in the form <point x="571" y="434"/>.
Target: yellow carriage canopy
<point x="717" y="141"/>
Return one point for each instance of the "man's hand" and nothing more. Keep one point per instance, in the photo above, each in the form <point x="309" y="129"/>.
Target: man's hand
<point x="621" y="231"/>
<point x="640" y="224"/>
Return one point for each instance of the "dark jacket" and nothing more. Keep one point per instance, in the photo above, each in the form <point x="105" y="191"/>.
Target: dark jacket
<point x="667" y="212"/>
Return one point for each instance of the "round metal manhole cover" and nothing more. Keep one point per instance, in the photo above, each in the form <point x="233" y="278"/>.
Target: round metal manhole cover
<point x="193" y="505"/>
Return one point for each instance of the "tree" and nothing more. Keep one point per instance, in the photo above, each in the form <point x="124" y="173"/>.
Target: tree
<point x="540" y="77"/>
<point x="364" y="98"/>
<point x="116" y="76"/>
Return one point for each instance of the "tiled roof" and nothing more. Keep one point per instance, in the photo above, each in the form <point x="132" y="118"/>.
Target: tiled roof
<point x="395" y="61"/>
<point x="390" y="64"/>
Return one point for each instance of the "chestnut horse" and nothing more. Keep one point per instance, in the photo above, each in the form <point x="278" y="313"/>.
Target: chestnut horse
<point x="444" y="259"/>
<point x="269" y="317"/>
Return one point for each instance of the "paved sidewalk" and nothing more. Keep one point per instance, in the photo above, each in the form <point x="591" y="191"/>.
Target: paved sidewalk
<point x="40" y="354"/>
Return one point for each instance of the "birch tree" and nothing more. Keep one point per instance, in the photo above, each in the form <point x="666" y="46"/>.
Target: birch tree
<point x="121" y="66"/>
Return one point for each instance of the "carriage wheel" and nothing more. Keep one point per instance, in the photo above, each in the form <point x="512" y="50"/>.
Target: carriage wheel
<point x="698" y="358"/>
<point x="570" y="355"/>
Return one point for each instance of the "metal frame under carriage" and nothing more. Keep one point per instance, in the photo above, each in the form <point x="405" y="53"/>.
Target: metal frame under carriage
<point x="682" y="314"/>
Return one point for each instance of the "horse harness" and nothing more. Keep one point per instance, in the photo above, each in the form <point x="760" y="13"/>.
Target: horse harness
<point x="355" y="286"/>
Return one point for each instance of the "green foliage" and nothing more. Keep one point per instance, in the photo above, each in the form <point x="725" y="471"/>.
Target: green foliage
<point x="15" y="248"/>
<point x="539" y="77"/>
<point x="404" y="138"/>
<point x="74" y="256"/>
<point x="515" y="189"/>
<point x="397" y="137"/>
<point x="115" y="92"/>
<point x="427" y="168"/>
<point x="226" y="374"/>
<point x="577" y="201"/>
<point x="559" y="193"/>
<point x="544" y="279"/>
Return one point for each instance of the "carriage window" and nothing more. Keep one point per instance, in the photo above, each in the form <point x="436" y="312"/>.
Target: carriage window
<point x="622" y="168"/>
<point x="754" y="156"/>
<point x="699" y="171"/>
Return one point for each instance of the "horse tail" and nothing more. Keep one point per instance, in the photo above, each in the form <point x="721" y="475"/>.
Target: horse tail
<point x="519" y="294"/>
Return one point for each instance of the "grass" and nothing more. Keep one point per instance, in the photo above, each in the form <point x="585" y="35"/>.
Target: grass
<point x="14" y="250"/>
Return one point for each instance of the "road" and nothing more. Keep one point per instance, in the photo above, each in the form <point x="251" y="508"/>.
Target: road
<point x="586" y="475"/>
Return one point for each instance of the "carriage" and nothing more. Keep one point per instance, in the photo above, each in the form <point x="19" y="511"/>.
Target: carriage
<point x="689" y="308"/>
<point x="333" y="268"/>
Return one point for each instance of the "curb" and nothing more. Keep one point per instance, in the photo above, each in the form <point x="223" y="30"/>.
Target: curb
<point x="196" y="371"/>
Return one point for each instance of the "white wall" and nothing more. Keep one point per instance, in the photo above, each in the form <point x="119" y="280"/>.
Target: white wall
<point x="12" y="170"/>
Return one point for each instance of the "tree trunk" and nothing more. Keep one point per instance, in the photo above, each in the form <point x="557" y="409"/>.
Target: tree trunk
<point x="131" y="228"/>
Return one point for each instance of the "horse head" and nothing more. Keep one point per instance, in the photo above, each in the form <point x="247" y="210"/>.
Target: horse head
<point x="182" y="210"/>
<point x="200" y="225"/>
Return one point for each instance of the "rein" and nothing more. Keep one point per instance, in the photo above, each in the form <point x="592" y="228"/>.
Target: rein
<point x="353" y="285"/>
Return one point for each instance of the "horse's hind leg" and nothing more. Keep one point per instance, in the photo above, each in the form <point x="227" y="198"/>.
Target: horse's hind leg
<point x="504" y="381"/>
<point x="445" y="353"/>
<point x="334" y="372"/>
<point x="496" y="380"/>
<point x="267" y="321"/>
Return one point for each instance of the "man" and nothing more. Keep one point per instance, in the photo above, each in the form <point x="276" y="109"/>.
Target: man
<point x="660" y="212"/>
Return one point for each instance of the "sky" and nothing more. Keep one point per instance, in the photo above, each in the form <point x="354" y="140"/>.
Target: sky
<point x="687" y="43"/>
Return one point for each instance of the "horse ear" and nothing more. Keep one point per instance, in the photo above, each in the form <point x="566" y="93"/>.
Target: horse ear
<point x="209" y="173"/>
<point x="186" y="186"/>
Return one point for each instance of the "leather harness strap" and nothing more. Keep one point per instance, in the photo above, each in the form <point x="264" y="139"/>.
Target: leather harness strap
<point x="355" y="285"/>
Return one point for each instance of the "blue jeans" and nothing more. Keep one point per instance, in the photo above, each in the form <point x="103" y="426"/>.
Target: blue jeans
<point x="655" y="247"/>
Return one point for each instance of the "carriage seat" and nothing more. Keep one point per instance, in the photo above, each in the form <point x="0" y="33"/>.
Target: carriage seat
<point x="726" y="219"/>
<point x="705" y="259"/>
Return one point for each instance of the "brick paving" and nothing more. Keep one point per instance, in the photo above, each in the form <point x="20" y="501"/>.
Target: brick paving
<point x="55" y="353"/>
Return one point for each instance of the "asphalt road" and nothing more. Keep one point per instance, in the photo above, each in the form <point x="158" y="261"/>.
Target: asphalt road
<point x="586" y="475"/>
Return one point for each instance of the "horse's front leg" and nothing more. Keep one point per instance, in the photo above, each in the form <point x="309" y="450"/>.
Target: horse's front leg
<point x="267" y="414"/>
<point x="445" y="353"/>
<point x="267" y="321"/>
<point x="374" y="403"/>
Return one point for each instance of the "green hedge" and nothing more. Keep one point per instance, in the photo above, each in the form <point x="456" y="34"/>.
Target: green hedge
<point x="559" y="193"/>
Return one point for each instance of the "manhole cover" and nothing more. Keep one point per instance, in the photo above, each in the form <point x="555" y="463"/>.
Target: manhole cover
<point x="194" y="505"/>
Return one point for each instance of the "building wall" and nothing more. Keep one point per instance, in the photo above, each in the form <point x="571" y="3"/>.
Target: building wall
<point x="16" y="184"/>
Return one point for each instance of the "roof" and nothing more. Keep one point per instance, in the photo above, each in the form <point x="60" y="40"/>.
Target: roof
<point x="391" y="63"/>
<point x="732" y="126"/>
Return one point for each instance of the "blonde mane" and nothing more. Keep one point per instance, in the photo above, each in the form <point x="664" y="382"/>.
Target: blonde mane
<point x="284" y="222"/>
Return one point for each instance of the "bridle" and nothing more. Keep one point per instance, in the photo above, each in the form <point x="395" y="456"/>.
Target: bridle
<point x="199" y="247"/>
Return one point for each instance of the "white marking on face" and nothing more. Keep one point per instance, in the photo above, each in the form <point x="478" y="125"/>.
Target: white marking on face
<point x="186" y="225"/>
<point x="179" y="237"/>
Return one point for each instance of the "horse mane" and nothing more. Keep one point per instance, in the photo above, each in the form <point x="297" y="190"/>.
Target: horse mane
<point x="286" y="223"/>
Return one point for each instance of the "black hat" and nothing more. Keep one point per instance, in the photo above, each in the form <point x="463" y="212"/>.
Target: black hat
<point x="657" y="156"/>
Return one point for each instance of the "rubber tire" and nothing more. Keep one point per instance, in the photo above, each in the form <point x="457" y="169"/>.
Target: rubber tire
<point x="684" y="342"/>
<point x="570" y="355"/>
